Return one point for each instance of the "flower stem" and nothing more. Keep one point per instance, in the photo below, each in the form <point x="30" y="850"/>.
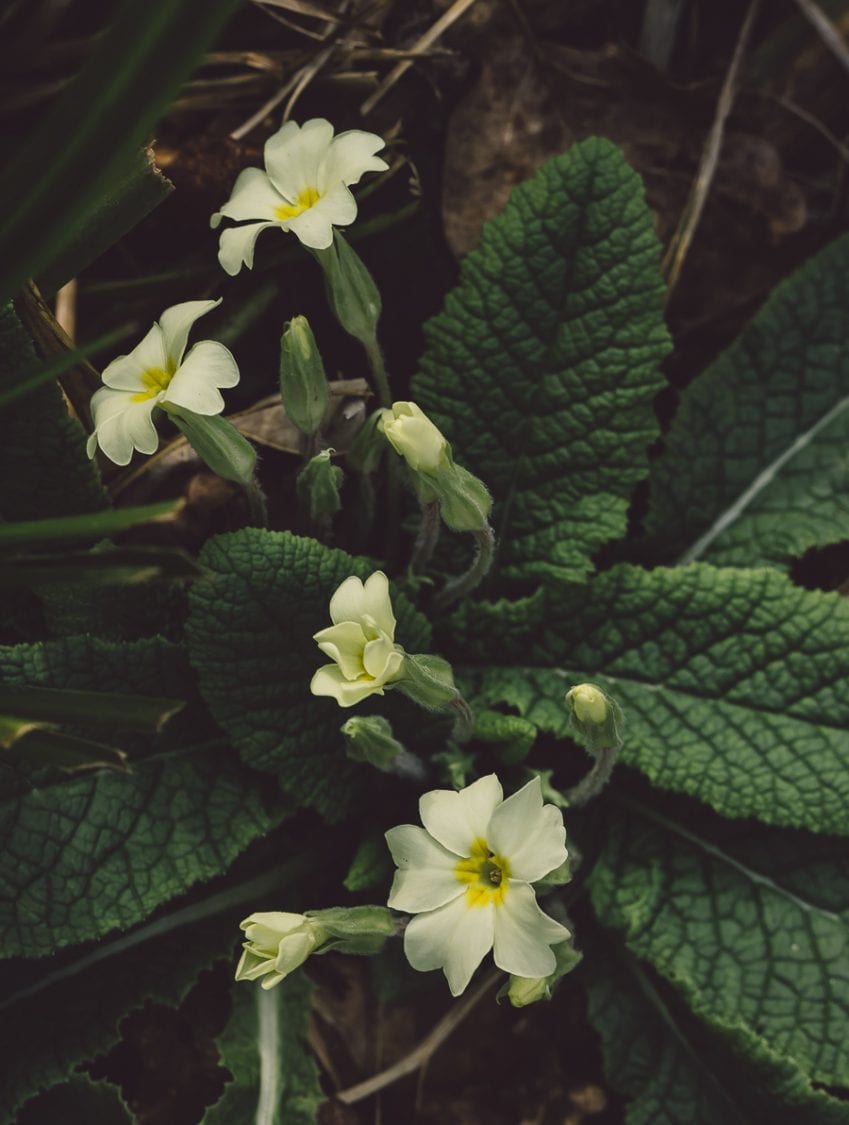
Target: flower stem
<point x="427" y="537"/>
<point x="378" y="370"/>
<point x="257" y="504"/>
<point x="464" y="583"/>
<point x="592" y="784"/>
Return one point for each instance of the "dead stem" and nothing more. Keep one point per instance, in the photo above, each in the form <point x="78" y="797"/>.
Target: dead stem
<point x="676" y="252"/>
<point x="421" y="1055"/>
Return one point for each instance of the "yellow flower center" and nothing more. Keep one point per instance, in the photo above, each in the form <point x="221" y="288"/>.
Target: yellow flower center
<point x="485" y="875"/>
<point x="156" y="380"/>
<point x="308" y="198"/>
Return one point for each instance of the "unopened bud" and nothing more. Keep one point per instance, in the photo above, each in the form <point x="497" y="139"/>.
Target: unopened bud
<point x="428" y="681"/>
<point x="412" y="435"/>
<point x="351" y="291"/>
<point x="303" y="383"/>
<point x="595" y="717"/>
<point x="217" y="442"/>
<point x="522" y="991"/>
<point x="318" y="484"/>
<point x="369" y="738"/>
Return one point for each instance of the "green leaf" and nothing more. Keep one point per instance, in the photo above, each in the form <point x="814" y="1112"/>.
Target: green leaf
<point x="753" y="471"/>
<point x="250" y="635"/>
<point x="38" y="372"/>
<point x="733" y="682"/>
<point x="78" y="1101"/>
<point x="127" y="712"/>
<point x="135" y="192"/>
<point x="65" y="751"/>
<point x="86" y="855"/>
<point x="750" y="925"/>
<point x="265" y="1048"/>
<point x="59" y="1014"/>
<point x="674" y="1070"/>
<point x="79" y="153"/>
<point x="44" y="470"/>
<point x="110" y="567"/>
<point x="542" y="367"/>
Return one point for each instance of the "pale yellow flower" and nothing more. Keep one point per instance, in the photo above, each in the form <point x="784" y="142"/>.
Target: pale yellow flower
<point x="361" y="642"/>
<point x="277" y="943"/>
<point x="412" y="434"/>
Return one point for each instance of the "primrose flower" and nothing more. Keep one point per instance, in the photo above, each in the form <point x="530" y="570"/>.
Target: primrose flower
<point x="467" y="877"/>
<point x="277" y="944"/>
<point x="361" y="641"/>
<point x="157" y="373"/>
<point x="304" y="188"/>
<point x="412" y="434"/>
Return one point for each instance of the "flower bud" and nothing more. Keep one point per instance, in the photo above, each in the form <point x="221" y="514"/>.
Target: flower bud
<point x="217" y="442"/>
<point x="595" y="717"/>
<point x="318" y="484"/>
<point x="412" y="435"/>
<point x="522" y="991"/>
<point x="369" y="738"/>
<point x="367" y="447"/>
<point x="277" y="944"/>
<point x="303" y="384"/>
<point x="351" y="291"/>
<point x="428" y="681"/>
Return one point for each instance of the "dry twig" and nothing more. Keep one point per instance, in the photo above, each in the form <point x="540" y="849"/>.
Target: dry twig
<point x="826" y="30"/>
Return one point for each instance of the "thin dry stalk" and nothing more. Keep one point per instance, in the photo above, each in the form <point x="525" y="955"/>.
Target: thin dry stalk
<point x="826" y="30"/>
<point x="673" y="259"/>
<point x="459" y="8"/>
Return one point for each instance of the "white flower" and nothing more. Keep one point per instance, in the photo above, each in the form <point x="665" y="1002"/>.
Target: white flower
<point x="277" y="944"/>
<point x="412" y="434"/>
<point x="304" y="188"/>
<point x="467" y="876"/>
<point x="361" y="641"/>
<point x="155" y="373"/>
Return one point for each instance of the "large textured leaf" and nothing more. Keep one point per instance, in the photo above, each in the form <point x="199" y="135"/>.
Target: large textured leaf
<point x="750" y="925"/>
<point x="77" y="1102"/>
<point x="733" y="682"/>
<point x="250" y="632"/>
<point x="677" y="1073"/>
<point x="754" y="467"/>
<point x="44" y="470"/>
<point x="86" y="855"/>
<point x="542" y="367"/>
<point x="265" y="1048"/>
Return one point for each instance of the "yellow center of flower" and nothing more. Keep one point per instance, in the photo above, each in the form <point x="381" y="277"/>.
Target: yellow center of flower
<point x="308" y="198"/>
<point x="155" y="380"/>
<point x="485" y="875"/>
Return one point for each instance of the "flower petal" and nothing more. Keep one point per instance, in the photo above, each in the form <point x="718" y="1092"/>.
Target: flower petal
<point x="328" y="680"/>
<point x="122" y="425"/>
<point x="524" y="934"/>
<point x="381" y="659"/>
<point x="378" y="604"/>
<point x="208" y="366"/>
<point x="344" y="643"/>
<point x="294" y="154"/>
<point x="456" y="820"/>
<point x="236" y="246"/>
<point x="253" y="197"/>
<point x="425" y="879"/>
<point x="348" y="601"/>
<point x="528" y="833"/>
<point x="454" y="938"/>
<point x="125" y="372"/>
<point x="314" y="227"/>
<point x="176" y="324"/>
<point x="349" y="157"/>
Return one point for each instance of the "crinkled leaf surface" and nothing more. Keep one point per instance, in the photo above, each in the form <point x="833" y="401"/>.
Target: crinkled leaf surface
<point x="734" y="683"/>
<point x="78" y="1102"/>
<point x="676" y="1072"/>
<point x="265" y="1048"/>
<point x="54" y="1016"/>
<point x="751" y="925"/>
<point x="754" y="469"/>
<point x="250" y="634"/>
<point x="542" y="366"/>
<point x="44" y="470"/>
<point x="86" y="855"/>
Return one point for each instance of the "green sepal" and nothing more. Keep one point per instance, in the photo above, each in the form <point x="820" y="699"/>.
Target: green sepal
<point x="351" y="291"/>
<point x="218" y="443"/>
<point x="303" y="383"/>
<point x="318" y="485"/>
